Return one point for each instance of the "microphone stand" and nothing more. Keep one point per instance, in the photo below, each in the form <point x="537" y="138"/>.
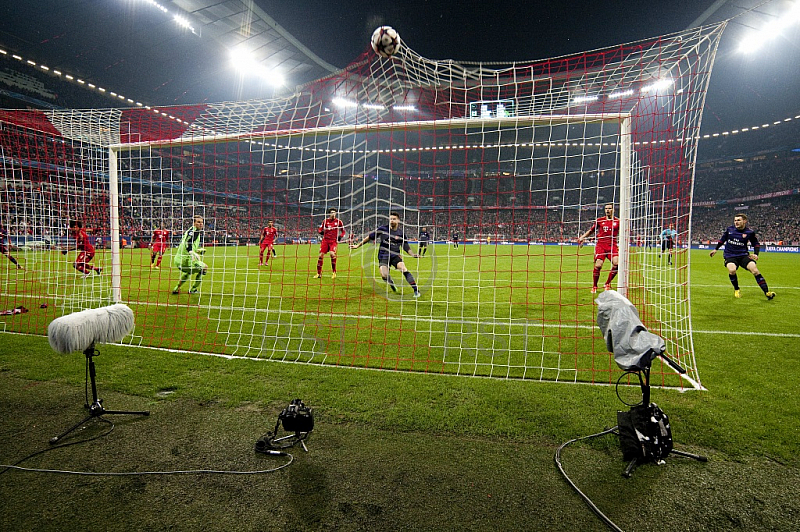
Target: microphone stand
<point x="96" y="409"/>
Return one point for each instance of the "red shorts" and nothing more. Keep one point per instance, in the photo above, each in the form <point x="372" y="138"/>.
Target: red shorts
<point x="327" y="246"/>
<point x="265" y="245"/>
<point x="84" y="257"/>
<point x="159" y="248"/>
<point x="603" y="253"/>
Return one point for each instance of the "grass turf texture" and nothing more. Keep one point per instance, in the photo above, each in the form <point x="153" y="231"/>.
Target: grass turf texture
<point x="410" y="451"/>
<point x="501" y="311"/>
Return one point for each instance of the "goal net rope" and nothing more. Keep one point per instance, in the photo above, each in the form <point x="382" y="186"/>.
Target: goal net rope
<point x="495" y="171"/>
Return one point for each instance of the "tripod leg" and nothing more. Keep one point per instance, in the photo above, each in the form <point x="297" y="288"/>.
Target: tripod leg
<point x="698" y="457"/>
<point x="631" y="466"/>
<point x="55" y="439"/>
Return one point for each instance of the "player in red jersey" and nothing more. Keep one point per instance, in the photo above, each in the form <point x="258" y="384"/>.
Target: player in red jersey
<point x="158" y="245"/>
<point x="607" y="247"/>
<point x="4" y="249"/>
<point x="85" y="249"/>
<point x="332" y="231"/>
<point x="268" y="235"/>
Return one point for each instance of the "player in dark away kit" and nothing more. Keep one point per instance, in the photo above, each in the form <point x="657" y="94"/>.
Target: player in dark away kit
<point x="424" y="239"/>
<point x="736" y="254"/>
<point x="391" y="239"/>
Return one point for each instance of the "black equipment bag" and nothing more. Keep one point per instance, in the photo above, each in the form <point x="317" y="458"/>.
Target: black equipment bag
<point x="644" y="433"/>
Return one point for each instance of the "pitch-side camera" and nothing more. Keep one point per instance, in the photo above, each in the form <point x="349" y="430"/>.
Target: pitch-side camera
<point x="297" y="417"/>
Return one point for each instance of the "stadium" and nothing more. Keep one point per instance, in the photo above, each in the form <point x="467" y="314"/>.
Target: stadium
<point x="449" y="227"/>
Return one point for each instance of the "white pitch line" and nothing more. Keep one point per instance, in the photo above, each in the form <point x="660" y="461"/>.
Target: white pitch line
<point x="511" y="322"/>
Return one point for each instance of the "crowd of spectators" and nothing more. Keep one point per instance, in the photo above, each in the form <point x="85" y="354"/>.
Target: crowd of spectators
<point x="236" y="195"/>
<point x="740" y="178"/>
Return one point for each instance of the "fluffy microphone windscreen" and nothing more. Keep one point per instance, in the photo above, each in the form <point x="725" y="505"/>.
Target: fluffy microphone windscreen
<point x="79" y="330"/>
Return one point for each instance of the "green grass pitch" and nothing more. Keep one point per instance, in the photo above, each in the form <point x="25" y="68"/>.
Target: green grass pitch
<point x="499" y="310"/>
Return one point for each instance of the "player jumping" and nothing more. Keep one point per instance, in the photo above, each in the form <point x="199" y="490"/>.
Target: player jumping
<point x="4" y="249"/>
<point x="187" y="256"/>
<point x="606" y="247"/>
<point x="390" y="239"/>
<point x="158" y="245"/>
<point x="736" y="254"/>
<point x="668" y="237"/>
<point x="267" y="241"/>
<point x="332" y="231"/>
<point x="86" y="249"/>
<point x="424" y="239"/>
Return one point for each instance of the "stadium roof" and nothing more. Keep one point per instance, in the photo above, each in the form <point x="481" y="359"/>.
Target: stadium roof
<point x="136" y="49"/>
<point x="137" y="46"/>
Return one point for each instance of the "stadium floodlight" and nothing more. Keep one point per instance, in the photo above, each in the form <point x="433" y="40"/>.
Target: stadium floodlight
<point x="404" y="108"/>
<point x="620" y="94"/>
<point x="656" y="86"/>
<point x="246" y="64"/>
<point x="754" y="41"/>
<point x="183" y="22"/>
<point x="159" y="6"/>
<point x="342" y="102"/>
<point x="585" y="98"/>
<point x="374" y="106"/>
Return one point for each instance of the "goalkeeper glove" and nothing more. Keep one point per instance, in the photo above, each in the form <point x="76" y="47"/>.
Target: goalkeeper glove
<point x="194" y="256"/>
<point x="201" y="250"/>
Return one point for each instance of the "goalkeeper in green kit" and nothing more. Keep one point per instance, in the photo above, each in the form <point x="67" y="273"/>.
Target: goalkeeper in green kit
<point x="187" y="257"/>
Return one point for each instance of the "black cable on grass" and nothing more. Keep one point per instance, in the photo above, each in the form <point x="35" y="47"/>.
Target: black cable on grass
<point x="143" y="473"/>
<point x="16" y="466"/>
<point x="592" y="506"/>
<point x="53" y="447"/>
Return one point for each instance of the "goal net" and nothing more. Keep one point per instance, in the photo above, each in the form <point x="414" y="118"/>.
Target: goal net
<point x="494" y="171"/>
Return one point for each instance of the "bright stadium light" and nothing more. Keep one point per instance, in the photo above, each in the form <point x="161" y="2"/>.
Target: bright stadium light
<point x="341" y="102"/>
<point x="183" y="22"/>
<point x="246" y="64"/>
<point x="620" y="94"/>
<point x="404" y="108"/>
<point x="374" y="106"/>
<point x="157" y="5"/>
<point x="657" y="85"/>
<point x="756" y="40"/>
<point x="585" y="98"/>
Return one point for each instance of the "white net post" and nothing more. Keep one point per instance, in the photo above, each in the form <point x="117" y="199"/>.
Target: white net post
<point x="625" y="159"/>
<point x="113" y="199"/>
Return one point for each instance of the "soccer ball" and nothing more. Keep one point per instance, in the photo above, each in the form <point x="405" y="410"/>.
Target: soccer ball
<point x="385" y="41"/>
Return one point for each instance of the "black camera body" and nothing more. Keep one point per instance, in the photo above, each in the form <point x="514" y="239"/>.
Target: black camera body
<point x="297" y="417"/>
<point x="644" y="433"/>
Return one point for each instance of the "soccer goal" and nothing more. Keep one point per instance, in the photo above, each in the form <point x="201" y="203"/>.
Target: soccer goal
<point x="494" y="171"/>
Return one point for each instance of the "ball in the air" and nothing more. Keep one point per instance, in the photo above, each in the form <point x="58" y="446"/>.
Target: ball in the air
<point x="385" y="41"/>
